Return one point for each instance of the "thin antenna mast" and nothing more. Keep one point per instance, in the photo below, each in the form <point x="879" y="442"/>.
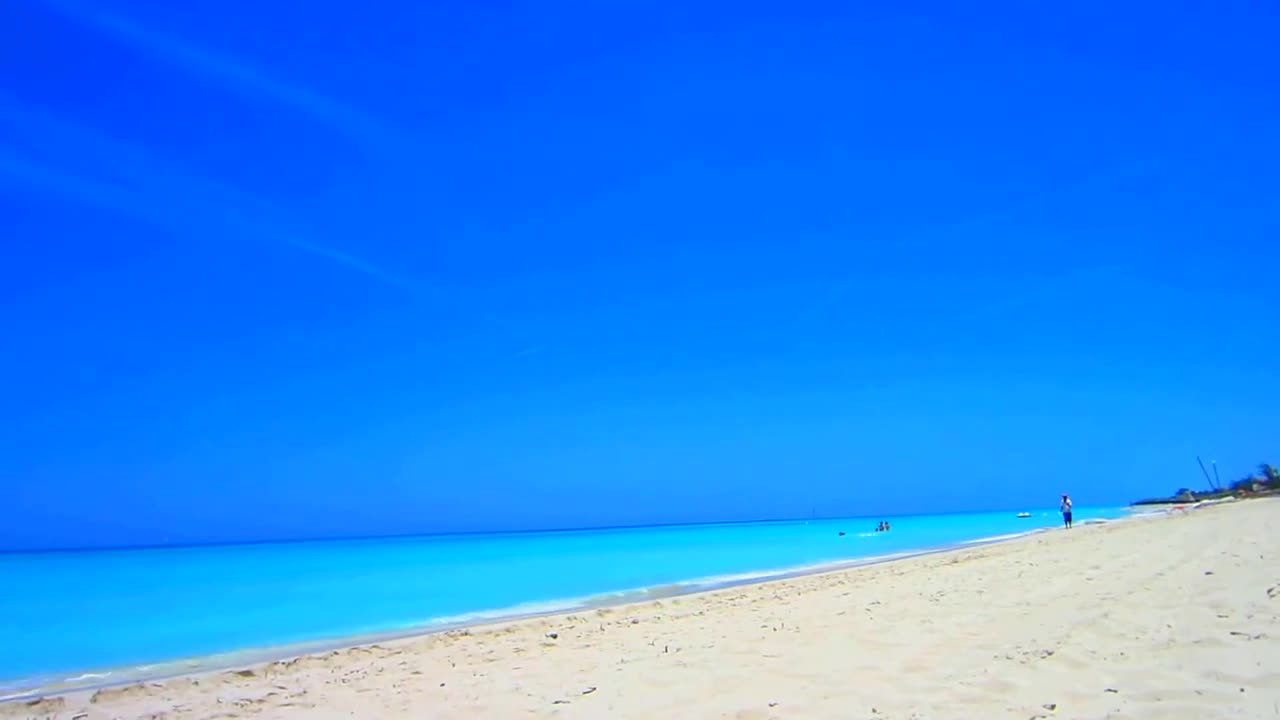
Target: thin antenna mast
<point x="1206" y="473"/>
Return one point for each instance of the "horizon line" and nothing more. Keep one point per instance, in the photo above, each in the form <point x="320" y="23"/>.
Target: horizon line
<point x="467" y="533"/>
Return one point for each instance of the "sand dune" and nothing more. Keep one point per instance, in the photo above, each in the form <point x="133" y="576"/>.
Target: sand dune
<point x="1169" y="617"/>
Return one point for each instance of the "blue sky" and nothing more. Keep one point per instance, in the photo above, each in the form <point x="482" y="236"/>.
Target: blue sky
<point x="308" y="269"/>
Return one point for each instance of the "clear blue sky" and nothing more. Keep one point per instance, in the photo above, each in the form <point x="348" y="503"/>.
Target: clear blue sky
<point x="307" y="269"/>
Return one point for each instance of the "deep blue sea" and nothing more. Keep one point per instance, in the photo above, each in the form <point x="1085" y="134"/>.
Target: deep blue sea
<point x="97" y="616"/>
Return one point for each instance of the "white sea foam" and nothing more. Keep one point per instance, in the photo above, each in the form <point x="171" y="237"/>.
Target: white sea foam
<point x="998" y="538"/>
<point x="498" y="614"/>
<point x="88" y="676"/>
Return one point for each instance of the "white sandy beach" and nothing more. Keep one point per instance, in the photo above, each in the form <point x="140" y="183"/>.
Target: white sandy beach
<point x="1170" y="617"/>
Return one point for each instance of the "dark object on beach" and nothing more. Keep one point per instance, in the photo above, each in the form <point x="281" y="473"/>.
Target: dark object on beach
<point x="553" y="636"/>
<point x="589" y="690"/>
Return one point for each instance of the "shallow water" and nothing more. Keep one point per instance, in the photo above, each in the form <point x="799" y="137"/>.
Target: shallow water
<point x="91" y="616"/>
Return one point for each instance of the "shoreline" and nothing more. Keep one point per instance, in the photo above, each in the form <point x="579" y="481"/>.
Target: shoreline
<point x="1173" y="617"/>
<point x="95" y="679"/>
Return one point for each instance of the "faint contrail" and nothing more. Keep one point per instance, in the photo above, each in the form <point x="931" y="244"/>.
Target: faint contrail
<point x="356" y="124"/>
<point x="93" y="192"/>
<point x="130" y="182"/>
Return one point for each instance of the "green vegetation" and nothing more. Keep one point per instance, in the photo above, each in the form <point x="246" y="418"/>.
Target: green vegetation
<point x="1266" y="481"/>
<point x="1267" y="478"/>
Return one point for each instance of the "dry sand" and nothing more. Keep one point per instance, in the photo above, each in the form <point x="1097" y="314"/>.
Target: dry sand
<point x="1172" y="617"/>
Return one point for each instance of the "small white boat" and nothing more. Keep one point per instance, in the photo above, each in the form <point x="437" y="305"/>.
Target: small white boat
<point x="1024" y="514"/>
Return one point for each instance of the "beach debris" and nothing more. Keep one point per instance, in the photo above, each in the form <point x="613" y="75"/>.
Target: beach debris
<point x="553" y="636"/>
<point x="774" y="704"/>
<point x="244" y="673"/>
<point x="561" y="701"/>
<point x="1273" y="592"/>
<point x="589" y="690"/>
<point x="1051" y="707"/>
<point x="46" y="705"/>
<point x="1111" y="690"/>
<point x="1208" y="572"/>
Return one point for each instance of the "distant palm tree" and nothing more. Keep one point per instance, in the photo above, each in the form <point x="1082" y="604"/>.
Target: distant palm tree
<point x="1269" y="474"/>
<point x="1244" y="484"/>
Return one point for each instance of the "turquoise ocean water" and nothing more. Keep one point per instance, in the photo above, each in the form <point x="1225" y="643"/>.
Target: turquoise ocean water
<point x="101" y="616"/>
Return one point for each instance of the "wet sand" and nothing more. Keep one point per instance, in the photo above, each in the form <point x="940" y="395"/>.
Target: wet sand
<point x="1173" y="616"/>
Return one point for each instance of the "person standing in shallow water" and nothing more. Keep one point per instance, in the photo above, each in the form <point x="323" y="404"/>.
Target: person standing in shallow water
<point x="1066" y="511"/>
